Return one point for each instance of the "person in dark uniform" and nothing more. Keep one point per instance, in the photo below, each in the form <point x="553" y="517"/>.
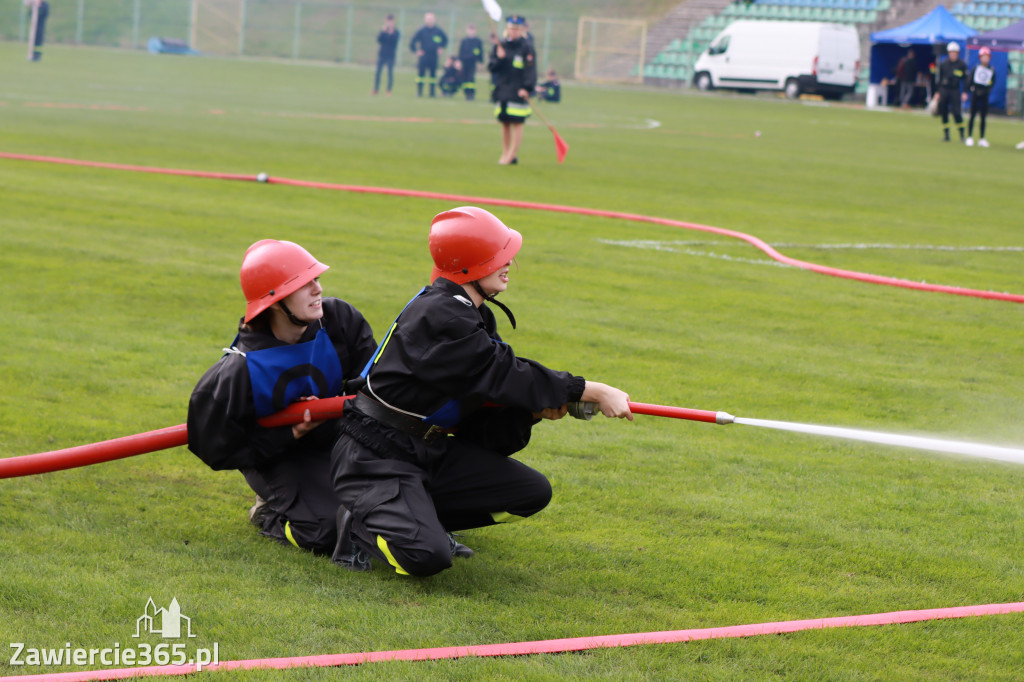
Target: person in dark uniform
<point x="551" y="89"/>
<point x="426" y="446"/>
<point x="42" y="14"/>
<point x="388" y="40"/>
<point x="451" y="77"/>
<point x="428" y="43"/>
<point x="471" y="53"/>
<point x="980" y="83"/>
<point x="951" y="76"/>
<point x="514" y="66"/>
<point x="292" y="344"/>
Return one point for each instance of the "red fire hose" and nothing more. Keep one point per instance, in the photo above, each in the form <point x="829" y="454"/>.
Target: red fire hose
<point x="174" y="436"/>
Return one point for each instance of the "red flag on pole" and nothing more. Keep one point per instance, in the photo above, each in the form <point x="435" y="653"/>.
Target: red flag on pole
<point x="561" y="146"/>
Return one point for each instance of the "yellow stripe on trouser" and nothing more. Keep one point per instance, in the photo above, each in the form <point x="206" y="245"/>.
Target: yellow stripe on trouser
<point x="382" y="544"/>
<point x="505" y="517"/>
<point x="288" y="533"/>
<point x="514" y="110"/>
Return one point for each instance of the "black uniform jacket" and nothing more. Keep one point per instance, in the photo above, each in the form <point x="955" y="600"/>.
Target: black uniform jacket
<point x="471" y="50"/>
<point x="222" y="427"/>
<point x="516" y="70"/>
<point x="388" y="44"/>
<point x="428" y="39"/>
<point x="443" y="348"/>
<point x="952" y="74"/>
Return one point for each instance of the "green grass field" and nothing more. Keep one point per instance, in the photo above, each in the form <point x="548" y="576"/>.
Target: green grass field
<point x="120" y="289"/>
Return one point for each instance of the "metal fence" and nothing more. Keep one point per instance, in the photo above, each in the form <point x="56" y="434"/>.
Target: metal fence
<point x="289" y="29"/>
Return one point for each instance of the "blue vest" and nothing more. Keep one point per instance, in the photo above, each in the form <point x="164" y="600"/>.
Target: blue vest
<point x="283" y="374"/>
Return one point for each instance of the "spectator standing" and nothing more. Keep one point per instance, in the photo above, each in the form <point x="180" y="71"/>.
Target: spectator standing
<point x="952" y="75"/>
<point x="388" y="40"/>
<point x="428" y="43"/>
<point x="906" y="76"/>
<point x="471" y="53"/>
<point x="980" y="83"/>
<point x="42" y="11"/>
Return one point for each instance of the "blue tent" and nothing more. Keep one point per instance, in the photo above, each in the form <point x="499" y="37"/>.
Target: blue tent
<point x="928" y="35"/>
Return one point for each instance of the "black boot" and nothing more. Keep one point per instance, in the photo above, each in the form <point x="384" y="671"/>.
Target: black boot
<point x="347" y="552"/>
<point x="459" y="549"/>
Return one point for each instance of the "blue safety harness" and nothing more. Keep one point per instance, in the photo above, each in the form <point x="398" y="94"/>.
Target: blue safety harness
<point x="447" y="416"/>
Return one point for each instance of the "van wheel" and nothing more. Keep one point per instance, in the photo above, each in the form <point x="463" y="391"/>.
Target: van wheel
<point x="792" y="89"/>
<point x="703" y="81"/>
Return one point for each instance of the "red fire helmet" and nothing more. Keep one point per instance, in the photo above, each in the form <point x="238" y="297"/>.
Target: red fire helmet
<point x="468" y="243"/>
<point x="272" y="270"/>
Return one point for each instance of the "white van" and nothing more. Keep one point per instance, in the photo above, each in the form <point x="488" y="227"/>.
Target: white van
<point x="793" y="56"/>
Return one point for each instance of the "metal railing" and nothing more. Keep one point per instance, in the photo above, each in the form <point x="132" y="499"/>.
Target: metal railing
<point x="290" y="29"/>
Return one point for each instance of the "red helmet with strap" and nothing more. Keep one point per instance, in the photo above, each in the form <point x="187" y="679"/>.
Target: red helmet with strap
<point x="469" y="243"/>
<point x="273" y="270"/>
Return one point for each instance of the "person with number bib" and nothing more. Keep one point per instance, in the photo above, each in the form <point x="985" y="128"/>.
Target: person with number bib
<point x="426" y="446"/>
<point x="292" y="344"/>
<point x="513" y="64"/>
<point x="980" y="83"/>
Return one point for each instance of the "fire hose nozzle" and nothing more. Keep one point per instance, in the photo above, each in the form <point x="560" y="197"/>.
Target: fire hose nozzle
<point x="724" y="418"/>
<point x="582" y="410"/>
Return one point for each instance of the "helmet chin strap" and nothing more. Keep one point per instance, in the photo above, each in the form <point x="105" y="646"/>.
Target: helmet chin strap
<point x="492" y="299"/>
<point x="294" y="320"/>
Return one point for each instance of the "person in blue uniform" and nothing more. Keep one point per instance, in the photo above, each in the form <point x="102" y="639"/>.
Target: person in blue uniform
<point x="426" y="447"/>
<point x="513" y="64"/>
<point x="388" y="40"/>
<point x="292" y="344"/>
<point x="980" y="83"/>
<point x="451" y="77"/>
<point x="42" y="14"/>
<point x="428" y="43"/>
<point x="471" y="53"/>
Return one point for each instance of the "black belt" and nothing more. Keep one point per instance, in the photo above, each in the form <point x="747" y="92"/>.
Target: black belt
<point x="397" y="420"/>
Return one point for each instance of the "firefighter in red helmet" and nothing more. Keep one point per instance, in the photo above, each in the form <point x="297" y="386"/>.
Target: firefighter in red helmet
<point x="425" y="447"/>
<point x="292" y="344"/>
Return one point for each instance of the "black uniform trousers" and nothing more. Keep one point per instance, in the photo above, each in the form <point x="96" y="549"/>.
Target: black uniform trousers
<point x="979" y="105"/>
<point x="427" y="64"/>
<point x="469" y="79"/>
<point x="383" y="62"/>
<point x="301" y="505"/>
<point x="949" y="100"/>
<point x="402" y="511"/>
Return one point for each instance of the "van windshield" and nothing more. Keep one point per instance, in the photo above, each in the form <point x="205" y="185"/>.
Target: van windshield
<point x="719" y="46"/>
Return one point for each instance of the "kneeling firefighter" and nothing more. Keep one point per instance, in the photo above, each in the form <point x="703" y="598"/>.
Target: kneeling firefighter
<point x="425" y="447"/>
<point x="292" y="344"/>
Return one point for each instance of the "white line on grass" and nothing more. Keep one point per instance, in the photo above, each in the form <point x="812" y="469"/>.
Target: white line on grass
<point x="682" y="246"/>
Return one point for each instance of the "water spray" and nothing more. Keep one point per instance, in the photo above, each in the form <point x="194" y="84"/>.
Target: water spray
<point x="1004" y="454"/>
